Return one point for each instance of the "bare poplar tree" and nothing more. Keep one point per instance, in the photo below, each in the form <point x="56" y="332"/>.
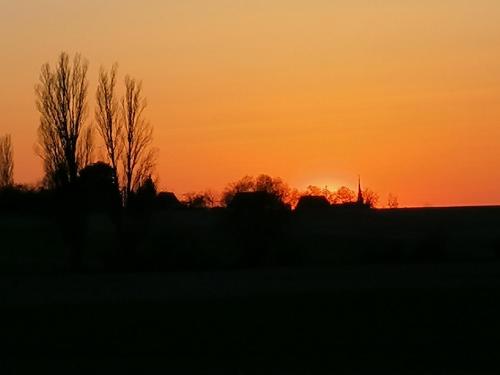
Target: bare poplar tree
<point x="85" y="150"/>
<point x="138" y="157"/>
<point x="6" y="162"/>
<point x="107" y="117"/>
<point x="61" y="99"/>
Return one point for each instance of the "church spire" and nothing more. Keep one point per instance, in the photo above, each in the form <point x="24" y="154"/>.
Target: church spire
<point x="360" y="192"/>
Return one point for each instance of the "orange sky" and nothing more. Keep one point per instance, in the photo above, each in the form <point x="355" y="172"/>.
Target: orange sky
<point x="405" y="93"/>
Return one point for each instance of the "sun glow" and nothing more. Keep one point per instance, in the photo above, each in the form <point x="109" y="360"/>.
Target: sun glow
<point x="323" y="185"/>
<point x="329" y="184"/>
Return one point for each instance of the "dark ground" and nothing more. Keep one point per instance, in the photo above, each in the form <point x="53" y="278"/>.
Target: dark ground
<point x="426" y="318"/>
<point x="412" y="291"/>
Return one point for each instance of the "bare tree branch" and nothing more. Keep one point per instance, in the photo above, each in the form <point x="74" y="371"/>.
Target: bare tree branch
<point x="6" y="162"/>
<point x="107" y="117"/>
<point x="86" y="147"/>
<point x="138" y="157"/>
<point x="61" y="99"/>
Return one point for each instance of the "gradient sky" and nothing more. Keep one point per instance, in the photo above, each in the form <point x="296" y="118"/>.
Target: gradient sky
<point x="404" y="92"/>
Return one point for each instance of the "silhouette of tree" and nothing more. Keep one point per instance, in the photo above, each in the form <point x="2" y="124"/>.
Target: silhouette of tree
<point x="392" y="201"/>
<point x="199" y="200"/>
<point x="370" y="197"/>
<point x="61" y="99"/>
<point x="293" y="197"/>
<point x="6" y="162"/>
<point x="245" y="184"/>
<point x="107" y="117"/>
<point x="86" y="151"/>
<point x="274" y="186"/>
<point x="313" y="190"/>
<point x="343" y="195"/>
<point x="138" y="157"/>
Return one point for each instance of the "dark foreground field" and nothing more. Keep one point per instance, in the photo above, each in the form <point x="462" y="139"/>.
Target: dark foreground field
<point x="415" y="319"/>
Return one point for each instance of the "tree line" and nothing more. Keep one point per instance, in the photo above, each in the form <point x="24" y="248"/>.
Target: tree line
<point x="66" y="141"/>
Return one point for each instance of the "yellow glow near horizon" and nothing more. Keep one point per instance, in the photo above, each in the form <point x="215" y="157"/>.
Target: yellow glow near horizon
<point x="404" y="93"/>
<point x="322" y="183"/>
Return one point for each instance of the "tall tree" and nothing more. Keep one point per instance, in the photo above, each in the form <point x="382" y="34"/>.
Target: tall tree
<point x="6" y="162"/>
<point x="138" y="157"/>
<point x="61" y="99"/>
<point x="107" y="117"/>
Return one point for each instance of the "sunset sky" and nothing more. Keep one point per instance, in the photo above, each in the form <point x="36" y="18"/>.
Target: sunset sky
<point x="405" y="93"/>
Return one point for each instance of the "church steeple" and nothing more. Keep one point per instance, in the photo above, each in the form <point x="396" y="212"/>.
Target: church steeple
<point x="361" y="200"/>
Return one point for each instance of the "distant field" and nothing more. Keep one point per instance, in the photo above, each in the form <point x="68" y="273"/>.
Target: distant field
<point x="205" y="240"/>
